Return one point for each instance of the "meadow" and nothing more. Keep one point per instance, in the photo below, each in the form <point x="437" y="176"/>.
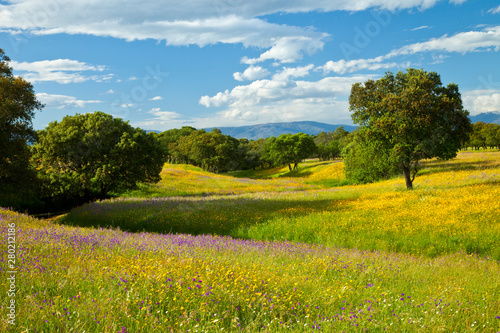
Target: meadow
<point x="268" y="251"/>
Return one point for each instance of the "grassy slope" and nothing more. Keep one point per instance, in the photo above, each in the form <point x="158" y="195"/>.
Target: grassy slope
<point x="450" y="210"/>
<point x="101" y="280"/>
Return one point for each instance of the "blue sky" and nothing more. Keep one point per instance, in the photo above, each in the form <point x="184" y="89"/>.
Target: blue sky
<point x="168" y="64"/>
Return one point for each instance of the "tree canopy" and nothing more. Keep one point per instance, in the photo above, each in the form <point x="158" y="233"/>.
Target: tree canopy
<point x="330" y="145"/>
<point x="485" y="135"/>
<point x="89" y="155"/>
<point x="213" y="151"/>
<point x="18" y="104"/>
<point x="411" y="116"/>
<point x="288" y="149"/>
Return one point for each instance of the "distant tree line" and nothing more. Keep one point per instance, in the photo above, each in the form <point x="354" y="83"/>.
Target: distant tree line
<point x="216" y="152"/>
<point x="331" y="145"/>
<point x="484" y="136"/>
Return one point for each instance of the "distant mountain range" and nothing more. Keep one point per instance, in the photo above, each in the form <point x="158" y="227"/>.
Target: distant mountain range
<point x="255" y="132"/>
<point x="487" y="117"/>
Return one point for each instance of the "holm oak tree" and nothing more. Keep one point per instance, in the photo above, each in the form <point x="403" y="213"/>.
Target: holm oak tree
<point x="89" y="155"/>
<point x="412" y="116"/>
<point x="18" y="104"/>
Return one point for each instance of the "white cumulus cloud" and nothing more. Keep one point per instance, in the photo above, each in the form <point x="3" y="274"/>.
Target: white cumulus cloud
<point x="251" y="73"/>
<point x="203" y="22"/>
<point x="464" y="42"/>
<point x="482" y="100"/>
<point x="52" y="101"/>
<point x="294" y="72"/>
<point x="60" y="70"/>
<point x="342" y="66"/>
<point x="486" y="40"/>
<point x="495" y="10"/>
<point x="289" y="49"/>
<point x="286" y="97"/>
<point x="160" y="120"/>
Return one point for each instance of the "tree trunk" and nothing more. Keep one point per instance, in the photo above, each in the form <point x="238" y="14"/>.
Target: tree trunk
<point x="103" y="192"/>
<point x="407" y="174"/>
<point x="289" y="167"/>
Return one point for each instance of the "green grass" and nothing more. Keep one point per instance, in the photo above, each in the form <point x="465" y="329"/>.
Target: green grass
<point x="449" y="210"/>
<point x="105" y="280"/>
<point x="307" y="256"/>
<point x="187" y="180"/>
<point x="303" y="170"/>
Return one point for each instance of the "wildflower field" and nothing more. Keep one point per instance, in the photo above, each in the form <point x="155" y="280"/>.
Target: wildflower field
<point x="266" y="251"/>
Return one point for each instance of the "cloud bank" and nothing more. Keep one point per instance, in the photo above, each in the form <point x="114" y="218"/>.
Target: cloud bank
<point x="201" y="22"/>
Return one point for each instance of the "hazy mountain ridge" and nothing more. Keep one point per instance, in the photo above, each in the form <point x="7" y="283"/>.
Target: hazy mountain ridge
<point x="487" y="117"/>
<point x="254" y="132"/>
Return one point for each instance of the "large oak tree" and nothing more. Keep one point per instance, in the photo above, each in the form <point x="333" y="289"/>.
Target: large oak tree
<point x="288" y="149"/>
<point x="213" y="151"/>
<point x="89" y="155"/>
<point x="412" y="116"/>
<point x="18" y="104"/>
